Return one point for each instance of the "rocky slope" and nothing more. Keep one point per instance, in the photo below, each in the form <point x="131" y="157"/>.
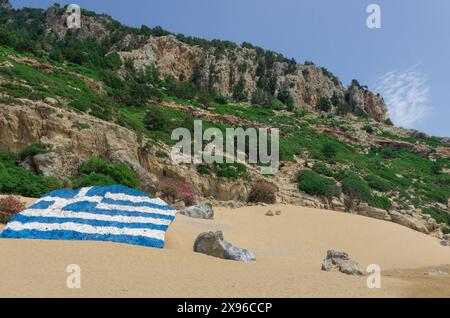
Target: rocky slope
<point x="221" y="69"/>
<point x="43" y="101"/>
<point x="28" y="122"/>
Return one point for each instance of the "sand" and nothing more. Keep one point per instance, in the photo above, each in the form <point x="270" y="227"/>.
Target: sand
<point x="289" y="249"/>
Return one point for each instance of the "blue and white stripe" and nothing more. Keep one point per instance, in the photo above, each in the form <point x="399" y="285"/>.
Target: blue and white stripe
<point x="110" y="213"/>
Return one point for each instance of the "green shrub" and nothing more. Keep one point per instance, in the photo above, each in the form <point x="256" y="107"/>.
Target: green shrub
<point x="232" y="171"/>
<point x="368" y="129"/>
<point x="314" y="184"/>
<point x="17" y="180"/>
<point x="156" y="119"/>
<point x="388" y="153"/>
<point x="221" y="100"/>
<point x="436" y="168"/>
<point x="441" y="216"/>
<point x="378" y="183"/>
<point x="437" y="194"/>
<point x="446" y="230"/>
<point x="239" y="93"/>
<point x="343" y="108"/>
<point x="356" y="188"/>
<point x="203" y="170"/>
<point x="324" y="104"/>
<point x="381" y="202"/>
<point x="286" y="98"/>
<point x="94" y="179"/>
<point x="122" y="174"/>
<point x="95" y="165"/>
<point x="322" y="169"/>
<point x="329" y="152"/>
<point x="32" y="150"/>
<point x="97" y="171"/>
<point x="161" y="154"/>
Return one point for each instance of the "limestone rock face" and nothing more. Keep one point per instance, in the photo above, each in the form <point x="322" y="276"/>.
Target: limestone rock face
<point x="219" y="70"/>
<point x="409" y="221"/>
<point x="213" y="244"/>
<point x="366" y="210"/>
<point x="306" y="83"/>
<point x="370" y="103"/>
<point x="30" y="122"/>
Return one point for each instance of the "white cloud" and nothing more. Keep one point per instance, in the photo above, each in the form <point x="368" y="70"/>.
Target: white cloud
<point x="406" y="94"/>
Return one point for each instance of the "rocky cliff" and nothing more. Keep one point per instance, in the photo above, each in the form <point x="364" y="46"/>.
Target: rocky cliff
<point x="223" y="67"/>
<point x="29" y="122"/>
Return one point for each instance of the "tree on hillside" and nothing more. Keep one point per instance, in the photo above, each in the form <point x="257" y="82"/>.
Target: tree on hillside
<point x="324" y="104"/>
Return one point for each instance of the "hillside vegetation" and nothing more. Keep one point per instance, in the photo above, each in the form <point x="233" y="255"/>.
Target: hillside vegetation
<point x="389" y="169"/>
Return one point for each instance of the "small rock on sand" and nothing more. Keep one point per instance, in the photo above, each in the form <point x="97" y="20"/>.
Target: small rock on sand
<point x="342" y="262"/>
<point x="270" y="213"/>
<point x="203" y="211"/>
<point x="213" y="244"/>
<point x="435" y="272"/>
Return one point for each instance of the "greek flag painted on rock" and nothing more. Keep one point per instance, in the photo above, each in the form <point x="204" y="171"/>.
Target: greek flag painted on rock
<point x="111" y="213"/>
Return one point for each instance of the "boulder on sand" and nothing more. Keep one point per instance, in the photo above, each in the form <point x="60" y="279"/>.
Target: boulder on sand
<point x="202" y="211"/>
<point x="213" y="244"/>
<point x="342" y="262"/>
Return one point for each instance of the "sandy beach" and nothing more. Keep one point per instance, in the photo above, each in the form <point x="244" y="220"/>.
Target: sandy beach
<point x="289" y="249"/>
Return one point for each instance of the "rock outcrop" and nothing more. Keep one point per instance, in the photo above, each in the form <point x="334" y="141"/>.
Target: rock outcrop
<point x="376" y="213"/>
<point x="213" y="244"/>
<point x="29" y="122"/>
<point x="221" y="69"/>
<point x="361" y="98"/>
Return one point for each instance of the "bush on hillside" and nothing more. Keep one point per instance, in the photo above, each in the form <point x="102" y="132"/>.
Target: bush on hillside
<point x="329" y="152"/>
<point x="232" y="171"/>
<point x="174" y="190"/>
<point x="324" y="104"/>
<point x="10" y="206"/>
<point x="440" y="215"/>
<point x="16" y="179"/>
<point x="356" y="188"/>
<point x="156" y="119"/>
<point x="98" y="172"/>
<point x="381" y="202"/>
<point x="378" y="183"/>
<point x="263" y="191"/>
<point x="92" y="180"/>
<point x="32" y="150"/>
<point x="322" y="169"/>
<point x="203" y="170"/>
<point x="314" y="184"/>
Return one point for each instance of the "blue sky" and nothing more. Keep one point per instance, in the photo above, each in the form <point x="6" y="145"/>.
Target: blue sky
<point x="407" y="60"/>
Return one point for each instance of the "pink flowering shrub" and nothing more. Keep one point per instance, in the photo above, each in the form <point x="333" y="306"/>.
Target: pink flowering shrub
<point x="173" y="190"/>
<point x="10" y="206"/>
